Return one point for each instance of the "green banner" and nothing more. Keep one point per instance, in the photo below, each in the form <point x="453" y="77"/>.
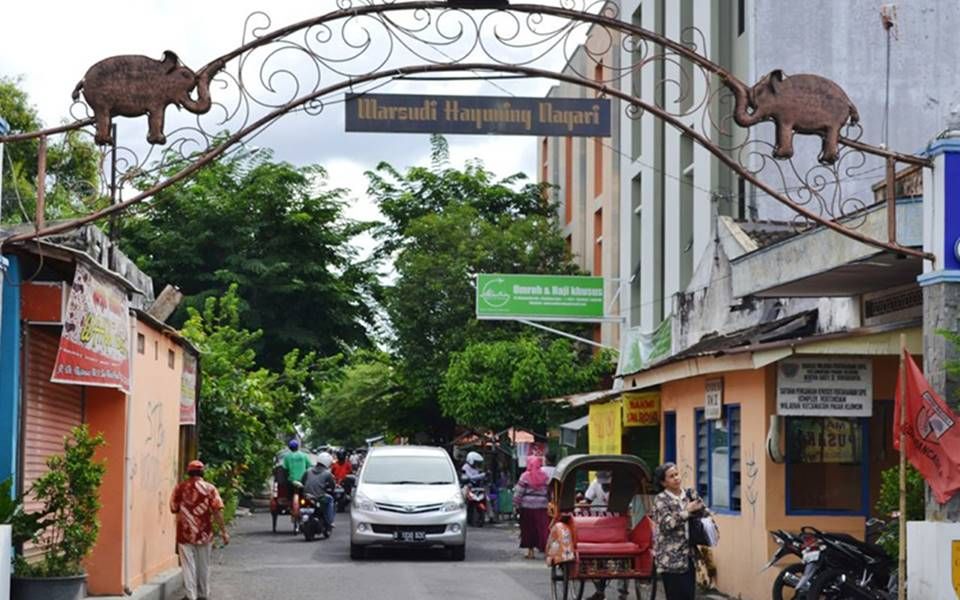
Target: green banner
<point x="530" y="296"/>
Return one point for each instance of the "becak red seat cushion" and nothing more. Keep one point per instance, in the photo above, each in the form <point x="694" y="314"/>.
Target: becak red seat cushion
<point x="600" y="530"/>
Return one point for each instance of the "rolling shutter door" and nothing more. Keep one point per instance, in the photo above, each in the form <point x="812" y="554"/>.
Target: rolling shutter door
<point x="52" y="409"/>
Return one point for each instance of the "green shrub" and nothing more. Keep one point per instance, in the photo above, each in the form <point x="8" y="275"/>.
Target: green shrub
<point x="889" y="502"/>
<point x="70" y="495"/>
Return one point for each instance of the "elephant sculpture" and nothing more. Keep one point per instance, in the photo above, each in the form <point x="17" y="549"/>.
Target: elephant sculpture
<point x="807" y="104"/>
<point x="130" y="86"/>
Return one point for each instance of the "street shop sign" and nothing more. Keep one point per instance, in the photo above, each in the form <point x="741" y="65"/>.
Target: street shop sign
<point x="416" y="113"/>
<point x="502" y="296"/>
<point x="188" y="390"/>
<point x="713" y="399"/>
<point x="95" y="343"/>
<point x="821" y="386"/>
<point x="641" y="409"/>
<point x="605" y="428"/>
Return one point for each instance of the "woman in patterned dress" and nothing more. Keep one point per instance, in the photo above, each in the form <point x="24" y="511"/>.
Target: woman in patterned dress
<point x="671" y="510"/>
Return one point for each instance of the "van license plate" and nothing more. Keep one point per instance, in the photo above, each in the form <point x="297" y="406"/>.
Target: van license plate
<point x="410" y="536"/>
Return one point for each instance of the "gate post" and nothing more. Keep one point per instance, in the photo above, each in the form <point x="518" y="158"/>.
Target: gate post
<point x="930" y="543"/>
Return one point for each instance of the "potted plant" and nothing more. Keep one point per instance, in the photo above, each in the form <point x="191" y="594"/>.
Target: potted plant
<point x="68" y="522"/>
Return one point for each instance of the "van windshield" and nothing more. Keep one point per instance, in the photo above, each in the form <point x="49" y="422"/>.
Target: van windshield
<point x="413" y="470"/>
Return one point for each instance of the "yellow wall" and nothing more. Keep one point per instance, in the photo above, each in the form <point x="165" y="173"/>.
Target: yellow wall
<point x="153" y="456"/>
<point x="745" y="543"/>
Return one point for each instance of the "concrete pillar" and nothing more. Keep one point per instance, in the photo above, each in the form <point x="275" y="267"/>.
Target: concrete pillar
<point x="933" y="577"/>
<point x="941" y="283"/>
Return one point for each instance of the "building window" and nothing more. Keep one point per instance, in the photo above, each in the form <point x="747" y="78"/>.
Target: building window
<point x="827" y="471"/>
<point x="741" y="17"/>
<point x="141" y="343"/>
<point x="156" y="350"/>
<point x="597" y="166"/>
<point x="568" y="245"/>
<point x="718" y="459"/>
<point x="171" y="359"/>
<point x="598" y="242"/>
<point x="670" y="437"/>
<point x="545" y="159"/>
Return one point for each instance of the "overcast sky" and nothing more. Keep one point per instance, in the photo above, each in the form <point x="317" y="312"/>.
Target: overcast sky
<point x="51" y="44"/>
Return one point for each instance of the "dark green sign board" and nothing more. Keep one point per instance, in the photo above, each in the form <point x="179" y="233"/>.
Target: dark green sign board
<point x="408" y="113"/>
<point x="548" y="296"/>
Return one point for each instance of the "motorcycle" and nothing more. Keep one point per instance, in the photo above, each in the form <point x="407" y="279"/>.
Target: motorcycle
<point x="850" y="568"/>
<point x="833" y="565"/>
<point x="313" y="517"/>
<point x="792" y="581"/>
<point x="475" y="494"/>
<point x="343" y="493"/>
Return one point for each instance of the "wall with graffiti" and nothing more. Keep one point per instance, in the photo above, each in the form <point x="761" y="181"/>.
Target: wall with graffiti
<point x="152" y="454"/>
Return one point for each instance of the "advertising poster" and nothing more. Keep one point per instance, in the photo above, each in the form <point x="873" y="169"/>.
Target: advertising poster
<point x="641" y="409"/>
<point x="95" y="343"/>
<point x="188" y="390"/>
<point x="605" y="428"/>
<point x="713" y="400"/>
<point x="502" y="296"/>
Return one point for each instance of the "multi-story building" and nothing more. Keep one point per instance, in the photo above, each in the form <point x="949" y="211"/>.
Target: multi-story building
<point x="585" y="173"/>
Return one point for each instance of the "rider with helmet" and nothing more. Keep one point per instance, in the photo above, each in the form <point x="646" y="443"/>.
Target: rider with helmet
<point x="318" y="482"/>
<point x="473" y="467"/>
<point x="295" y="463"/>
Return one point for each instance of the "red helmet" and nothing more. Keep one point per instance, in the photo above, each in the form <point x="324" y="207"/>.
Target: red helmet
<point x="195" y="465"/>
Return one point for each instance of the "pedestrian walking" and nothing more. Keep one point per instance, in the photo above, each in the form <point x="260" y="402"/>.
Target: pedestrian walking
<point x="530" y="497"/>
<point x="671" y="510"/>
<point x="198" y="506"/>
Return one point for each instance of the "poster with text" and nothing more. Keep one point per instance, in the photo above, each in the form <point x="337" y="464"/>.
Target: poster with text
<point x="95" y="343"/>
<point x="641" y="409"/>
<point x="605" y="428"/>
<point x="188" y="390"/>
<point x="825" y="386"/>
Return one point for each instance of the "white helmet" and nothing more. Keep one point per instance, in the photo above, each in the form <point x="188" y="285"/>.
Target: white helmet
<point x="325" y="459"/>
<point x="474" y="458"/>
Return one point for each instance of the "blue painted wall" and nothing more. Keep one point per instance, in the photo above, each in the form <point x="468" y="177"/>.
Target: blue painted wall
<point x="10" y="372"/>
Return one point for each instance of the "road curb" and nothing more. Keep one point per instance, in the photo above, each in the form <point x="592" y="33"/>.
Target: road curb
<point x="165" y="586"/>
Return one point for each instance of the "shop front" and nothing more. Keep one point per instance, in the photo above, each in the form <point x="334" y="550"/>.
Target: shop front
<point x="780" y="437"/>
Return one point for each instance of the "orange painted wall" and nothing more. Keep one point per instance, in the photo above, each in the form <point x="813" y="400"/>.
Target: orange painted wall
<point x="153" y="455"/>
<point x="745" y="543"/>
<point x="106" y="413"/>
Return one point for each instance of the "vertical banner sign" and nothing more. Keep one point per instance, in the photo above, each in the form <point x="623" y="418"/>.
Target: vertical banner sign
<point x="641" y="409"/>
<point x="713" y="401"/>
<point x="605" y="428"/>
<point x="95" y="343"/>
<point x="188" y="390"/>
<point x="824" y="386"/>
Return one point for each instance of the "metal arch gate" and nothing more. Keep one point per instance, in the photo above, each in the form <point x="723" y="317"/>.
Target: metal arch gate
<point x="838" y="213"/>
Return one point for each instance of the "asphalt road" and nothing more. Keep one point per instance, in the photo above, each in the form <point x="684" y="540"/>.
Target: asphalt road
<point x="266" y="566"/>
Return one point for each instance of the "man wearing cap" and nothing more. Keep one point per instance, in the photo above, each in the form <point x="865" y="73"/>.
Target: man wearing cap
<point x="197" y="505"/>
<point x="598" y="494"/>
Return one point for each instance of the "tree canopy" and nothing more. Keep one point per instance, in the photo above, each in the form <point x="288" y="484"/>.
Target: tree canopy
<point x="73" y="165"/>
<point x="443" y="225"/>
<point x="277" y="232"/>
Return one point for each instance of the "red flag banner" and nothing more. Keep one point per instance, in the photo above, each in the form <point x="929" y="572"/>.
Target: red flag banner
<point x="931" y="432"/>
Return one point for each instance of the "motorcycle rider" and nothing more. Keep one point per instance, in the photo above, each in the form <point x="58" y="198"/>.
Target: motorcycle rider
<point x="473" y="468"/>
<point x="296" y="464"/>
<point x="319" y="482"/>
<point x="341" y="468"/>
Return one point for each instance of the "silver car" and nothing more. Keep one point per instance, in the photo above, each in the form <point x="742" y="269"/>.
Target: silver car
<point x="408" y="496"/>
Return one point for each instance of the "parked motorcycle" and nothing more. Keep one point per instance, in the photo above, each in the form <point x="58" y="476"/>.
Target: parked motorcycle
<point x="343" y="493"/>
<point x="787" y="585"/>
<point x="313" y="517"/>
<point x="851" y="568"/>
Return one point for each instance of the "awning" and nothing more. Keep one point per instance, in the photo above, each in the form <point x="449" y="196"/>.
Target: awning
<point x="569" y="431"/>
<point x="584" y="398"/>
<point x="576" y="424"/>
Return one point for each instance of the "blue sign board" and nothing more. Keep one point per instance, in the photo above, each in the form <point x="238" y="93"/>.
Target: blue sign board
<point x="407" y="113"/>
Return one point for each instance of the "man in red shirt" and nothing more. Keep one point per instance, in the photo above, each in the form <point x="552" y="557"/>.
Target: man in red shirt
<point x="341" y="468"/>
<point x="197" y="505"/>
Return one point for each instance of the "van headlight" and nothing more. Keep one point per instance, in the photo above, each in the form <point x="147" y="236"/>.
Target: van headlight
<point x="454" y="504"/>
<point x="361" y="502"/>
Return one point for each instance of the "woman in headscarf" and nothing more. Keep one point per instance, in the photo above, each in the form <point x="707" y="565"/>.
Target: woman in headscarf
<point x="530" y="497"/>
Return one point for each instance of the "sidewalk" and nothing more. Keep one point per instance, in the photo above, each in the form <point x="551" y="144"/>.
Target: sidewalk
<point x="165" y="586"/>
